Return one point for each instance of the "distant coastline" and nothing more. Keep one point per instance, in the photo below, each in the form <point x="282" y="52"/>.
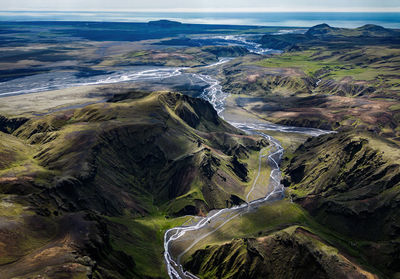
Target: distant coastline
<point x="291" y="19"/>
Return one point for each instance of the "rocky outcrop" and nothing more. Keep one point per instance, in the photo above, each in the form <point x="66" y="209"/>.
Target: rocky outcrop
<point x="314" y="122"/>
<point x="239" y="168"/>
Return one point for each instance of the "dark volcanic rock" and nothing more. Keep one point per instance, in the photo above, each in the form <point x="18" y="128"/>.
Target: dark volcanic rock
<point x="10" y="125"/>
<point x="239" y="168"/>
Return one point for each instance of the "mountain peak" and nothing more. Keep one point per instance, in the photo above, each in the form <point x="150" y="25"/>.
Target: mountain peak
<point x="320" y="29"/>
<point x="371" y="27"/>
<point x="322" y="25"/>
<point x="376" y="30"/>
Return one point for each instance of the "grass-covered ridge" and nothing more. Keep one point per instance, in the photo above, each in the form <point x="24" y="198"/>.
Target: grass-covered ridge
<point x="378" y="64"/>
<point x="121" y="172"/>
<point x="276" y="234"/>
<point x="350" y="183"/>
<point x="173" y="57"/>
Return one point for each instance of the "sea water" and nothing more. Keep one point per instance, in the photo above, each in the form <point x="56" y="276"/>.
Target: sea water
<point x="291" y="19"/>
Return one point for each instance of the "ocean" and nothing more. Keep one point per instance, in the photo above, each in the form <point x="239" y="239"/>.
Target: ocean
<point x="291" y="19"/>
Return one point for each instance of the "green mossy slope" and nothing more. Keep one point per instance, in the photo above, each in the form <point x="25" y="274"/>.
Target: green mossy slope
<point x="100" y="180"/>
<point x="350" y="182"/>
<point x="148" y="150"/>
<point x="294" y="252"/>
<point x="278" y="240"/>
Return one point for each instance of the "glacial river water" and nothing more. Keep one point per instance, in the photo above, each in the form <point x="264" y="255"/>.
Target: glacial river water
<point x="179" y="240"/>
<point x="60" y="79"/>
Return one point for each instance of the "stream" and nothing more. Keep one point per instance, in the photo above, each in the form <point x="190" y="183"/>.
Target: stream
<point x="180" y="240"/>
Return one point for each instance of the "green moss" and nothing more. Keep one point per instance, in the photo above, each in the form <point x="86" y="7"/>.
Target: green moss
<point x="300" y="60"/>
<point x="395" y="107"/>
<point x="193" y="196"/>
<point x="143" y="240"/>
<point x="10" y="209"/>
<point x="25" y="238"/>
<point x="305" y="62"/>
<point x="269" y="217"/>
<point x="365" y="64"/>
<point x="136" y="54"/>
<point x="277" y="216"/>
<point x="266" y="218"/>
<point x="12" y="151"/>
<point x="237" y="255"/>
<point x="7" y="259"/>
<point x="304" y="231"/>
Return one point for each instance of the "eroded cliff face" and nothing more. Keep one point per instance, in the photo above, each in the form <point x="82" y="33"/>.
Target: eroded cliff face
<point x="350" y="182"/>
<point x="293" y="252"/>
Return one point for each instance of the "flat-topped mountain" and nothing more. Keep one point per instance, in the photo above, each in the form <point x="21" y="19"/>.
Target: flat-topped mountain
<point x="164" y="23"/>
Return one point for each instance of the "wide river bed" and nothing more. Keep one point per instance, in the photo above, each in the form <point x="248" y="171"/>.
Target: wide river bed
<point x="178" y="241"/>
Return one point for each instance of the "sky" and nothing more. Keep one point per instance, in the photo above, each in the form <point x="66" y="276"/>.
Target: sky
<point x="203" y="5"/>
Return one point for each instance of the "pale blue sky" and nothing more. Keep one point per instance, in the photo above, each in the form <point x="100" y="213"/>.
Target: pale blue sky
<point x="202" y="5"/>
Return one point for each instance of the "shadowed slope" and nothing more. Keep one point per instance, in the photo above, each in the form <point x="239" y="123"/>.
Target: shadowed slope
<point x="85" y="178"/>
<point x="350" y="182"/>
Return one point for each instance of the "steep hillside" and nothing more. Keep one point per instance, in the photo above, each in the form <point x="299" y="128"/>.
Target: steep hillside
<point x="85" y="176"/>
<point x="151" y="150"/>
<point x="294" y="252"/>
<point x="350" y="182"/>
<point x="278" y="240"/>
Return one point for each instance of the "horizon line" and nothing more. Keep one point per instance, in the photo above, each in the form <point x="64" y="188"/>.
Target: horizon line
<point x="232" y="10"/>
